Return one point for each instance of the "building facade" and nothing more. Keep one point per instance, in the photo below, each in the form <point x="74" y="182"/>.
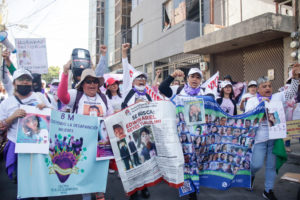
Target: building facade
<point x="109" y="24"/>
<point x="247" y="39"/>
<point x="159" y="31"/>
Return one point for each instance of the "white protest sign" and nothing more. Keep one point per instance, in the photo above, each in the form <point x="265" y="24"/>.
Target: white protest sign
<point x="32" y="54"/>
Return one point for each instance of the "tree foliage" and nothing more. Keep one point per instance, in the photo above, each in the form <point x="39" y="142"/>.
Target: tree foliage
<point x="53" y="73"/>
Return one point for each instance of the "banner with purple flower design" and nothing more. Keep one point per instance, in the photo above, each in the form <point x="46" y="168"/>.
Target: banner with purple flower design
<point x="70" y="167"/>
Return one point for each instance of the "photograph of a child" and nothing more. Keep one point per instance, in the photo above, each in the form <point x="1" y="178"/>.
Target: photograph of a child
<point x="35" y="130"/>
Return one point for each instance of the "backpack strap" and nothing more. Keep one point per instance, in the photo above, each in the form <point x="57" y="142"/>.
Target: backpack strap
<point x="127" y="98"/>
<point x="18" y="99"/>
<point x="148" y="97"/>
<point x="78" y="97"/>
<point x="49" y="100"/>
<point x="104" y="99"/>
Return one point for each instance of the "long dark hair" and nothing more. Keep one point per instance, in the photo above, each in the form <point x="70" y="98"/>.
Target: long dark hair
<point x="108" y="93"/>
<point x="231" y="95"/>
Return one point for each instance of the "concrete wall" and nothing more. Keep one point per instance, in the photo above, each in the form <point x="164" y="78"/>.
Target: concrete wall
<point x="228" y="12"/>
<point x="156" y="43"/>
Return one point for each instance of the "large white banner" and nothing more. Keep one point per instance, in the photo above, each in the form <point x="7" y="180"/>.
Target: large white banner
<point x="146" y="145"/>
<point x="32" y="54"/>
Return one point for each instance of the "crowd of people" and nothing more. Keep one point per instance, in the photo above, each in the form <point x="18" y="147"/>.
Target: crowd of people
<point x="92" y="95"/>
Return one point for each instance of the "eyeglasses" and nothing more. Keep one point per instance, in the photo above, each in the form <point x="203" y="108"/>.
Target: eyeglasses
<point x="141" y="78"/>
<point x="90" y="81"/>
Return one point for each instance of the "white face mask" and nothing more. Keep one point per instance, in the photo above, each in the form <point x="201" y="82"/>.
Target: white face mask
<point x="93" y="113"/>
<point x="140" y="88"/>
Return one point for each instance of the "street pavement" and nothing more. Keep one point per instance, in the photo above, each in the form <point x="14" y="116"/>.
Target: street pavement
<point x="284" y="190"/>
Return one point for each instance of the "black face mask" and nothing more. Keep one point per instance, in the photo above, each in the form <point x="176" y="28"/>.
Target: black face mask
<point x="24" y="90"/>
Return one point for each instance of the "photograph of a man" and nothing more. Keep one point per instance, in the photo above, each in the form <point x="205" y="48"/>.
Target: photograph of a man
<point x="125" y="155"/>
<point x="134" y="151"/>
<point x="195" y="113"/>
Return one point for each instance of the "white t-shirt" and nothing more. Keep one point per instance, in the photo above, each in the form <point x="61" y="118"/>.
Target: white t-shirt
<point x="115" y="102"/>
<point x="11" y="104"/>
<point x="93" y="106"/>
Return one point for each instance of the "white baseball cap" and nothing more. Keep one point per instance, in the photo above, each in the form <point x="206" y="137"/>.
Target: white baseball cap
<point x="252" y="83"/>
<point x="194" y="71"/>
<point x="138" y="73"/>
<point x="20" y="72"/>
<point x="225" y="83"/>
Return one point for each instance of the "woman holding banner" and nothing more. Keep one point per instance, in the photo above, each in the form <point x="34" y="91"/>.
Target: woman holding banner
<point x="10" y="113"/>
<point x="192" y="88"/>
<point x="134" y="91"/>
<point x="261" y="147"/>
<point x="85" y="95"/>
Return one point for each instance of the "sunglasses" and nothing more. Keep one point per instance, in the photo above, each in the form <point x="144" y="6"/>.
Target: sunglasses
<point x="90" y="81"/>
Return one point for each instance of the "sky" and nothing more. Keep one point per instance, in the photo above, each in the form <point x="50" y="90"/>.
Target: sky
<point x="64" y="24"/>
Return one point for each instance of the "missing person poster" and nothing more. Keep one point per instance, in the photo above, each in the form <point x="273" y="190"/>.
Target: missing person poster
<point x="276" y="120"/>
<point x="217" y="154"/>
<point x="104" y="150"/>
<point x="70" y="167"/>
<point x="146" y="146"/>
<point x="33" y="130"/>
<point x="32" y="54"/>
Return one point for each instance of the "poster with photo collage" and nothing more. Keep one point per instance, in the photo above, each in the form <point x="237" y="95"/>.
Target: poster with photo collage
<point x="217" y="153"/>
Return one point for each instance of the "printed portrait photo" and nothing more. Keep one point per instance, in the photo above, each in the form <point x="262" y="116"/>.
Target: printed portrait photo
<point x="119" y="130"/>
<point x="34" y="129"/>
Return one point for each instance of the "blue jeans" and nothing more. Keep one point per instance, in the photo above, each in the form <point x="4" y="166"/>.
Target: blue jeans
<point x="260" y="151"/>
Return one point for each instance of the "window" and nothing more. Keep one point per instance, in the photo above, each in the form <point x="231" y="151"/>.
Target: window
<point x="174" y="12"/>
<point x="137" y="33"/>
<point x="135" y="3"/>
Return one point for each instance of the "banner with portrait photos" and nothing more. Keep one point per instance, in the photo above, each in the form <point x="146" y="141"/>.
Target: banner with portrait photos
<point x="217" y="151"/>
<point x="146" y="146"/>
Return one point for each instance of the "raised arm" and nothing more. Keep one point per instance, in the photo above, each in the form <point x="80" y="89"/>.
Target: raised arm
<point x="293" y="88"/>
<point x="102" y="67"/>
<point x="127" y="69"/>
<point x="62" y="91"/>
<point x="165" y="88"/>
